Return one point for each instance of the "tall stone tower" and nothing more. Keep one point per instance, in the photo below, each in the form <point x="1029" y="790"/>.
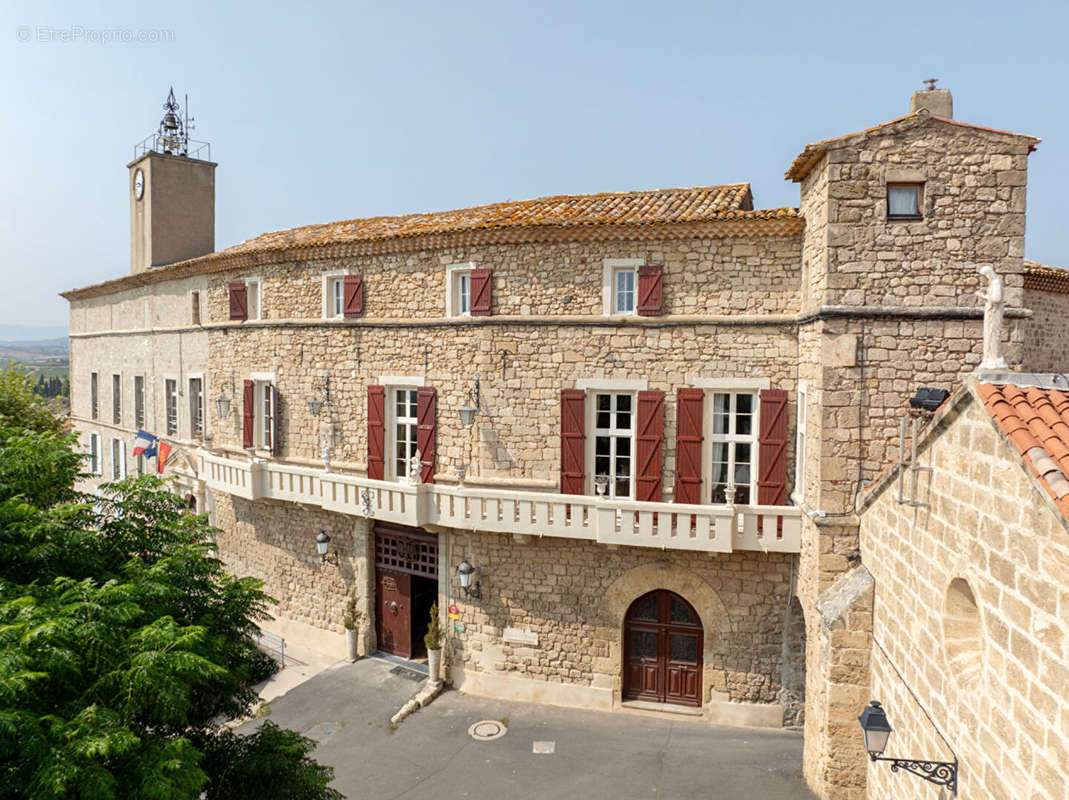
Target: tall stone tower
<point x="172" y="195"/>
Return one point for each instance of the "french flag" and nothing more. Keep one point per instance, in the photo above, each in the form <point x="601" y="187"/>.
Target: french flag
<point x="145" y="444"/>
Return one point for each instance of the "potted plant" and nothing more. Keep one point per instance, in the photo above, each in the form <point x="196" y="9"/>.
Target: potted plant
<point x="351" y="619"/>
<point x="433" y="640"/>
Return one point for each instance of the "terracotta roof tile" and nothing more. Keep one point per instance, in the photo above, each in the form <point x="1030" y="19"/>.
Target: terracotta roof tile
<point x="694" y="204"/>
<point x="1044" y="278"/>
<point x="1036" y="421"/>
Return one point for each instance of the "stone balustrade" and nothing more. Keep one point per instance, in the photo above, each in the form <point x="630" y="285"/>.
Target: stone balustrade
<point x="706" y="528"/>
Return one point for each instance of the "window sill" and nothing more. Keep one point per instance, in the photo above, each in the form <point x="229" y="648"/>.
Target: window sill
<point x="905" y="218"/>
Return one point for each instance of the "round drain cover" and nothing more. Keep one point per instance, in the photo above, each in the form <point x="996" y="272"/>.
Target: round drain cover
<point x="487" y="730"/>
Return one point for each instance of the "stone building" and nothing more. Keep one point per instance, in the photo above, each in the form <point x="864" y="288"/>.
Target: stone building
<point x="643" y="418"/>
<point x="965" y="551"/>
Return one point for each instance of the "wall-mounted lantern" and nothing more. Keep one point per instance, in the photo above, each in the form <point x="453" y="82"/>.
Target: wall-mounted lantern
<point x="876" y="729"/>
<point x="222" y="402"/>
<point x="468" y="411"/>
<point x="316" y="405"/>
<point x="465" y="571"/>
<point x="322" y="543"/>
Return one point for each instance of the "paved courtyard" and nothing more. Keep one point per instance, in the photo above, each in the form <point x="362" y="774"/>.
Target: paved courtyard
<point x="346" y="708"/>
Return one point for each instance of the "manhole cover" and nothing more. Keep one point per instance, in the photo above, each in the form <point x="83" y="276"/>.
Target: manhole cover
<point x="487" y="730"/>
<point x="408" y="674"/>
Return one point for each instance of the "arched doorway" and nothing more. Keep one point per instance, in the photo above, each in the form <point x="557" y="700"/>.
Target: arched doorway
<point x="663" y="650"/>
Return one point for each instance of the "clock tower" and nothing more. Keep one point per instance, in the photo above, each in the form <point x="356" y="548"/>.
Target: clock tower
<point x="172" y="194"/>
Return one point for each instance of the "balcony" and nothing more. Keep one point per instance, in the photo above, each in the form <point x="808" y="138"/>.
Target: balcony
<point x="707" y="528"/>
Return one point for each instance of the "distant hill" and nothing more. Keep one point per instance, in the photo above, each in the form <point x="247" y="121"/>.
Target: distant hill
<point x="38" y="334"/>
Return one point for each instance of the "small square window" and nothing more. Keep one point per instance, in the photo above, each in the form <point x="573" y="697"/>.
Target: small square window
<point x="194" y="307"/>
<point x="252" y="299"/>
<point x="458" y="291"/>
<point x="337" y="297"/>
<point x="904" y="200"/>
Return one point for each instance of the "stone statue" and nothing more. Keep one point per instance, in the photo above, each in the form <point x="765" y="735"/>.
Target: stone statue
<point x="994" y="308"/>
<point x="414" y="469"/>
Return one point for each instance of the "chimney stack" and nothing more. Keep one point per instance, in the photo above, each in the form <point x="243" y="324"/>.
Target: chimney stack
<point x="937" y="102"/>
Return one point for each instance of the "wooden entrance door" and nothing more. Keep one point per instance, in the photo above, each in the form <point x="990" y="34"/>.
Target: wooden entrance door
<point x="663" y="650"/>
<point x="394" y="616"/>
<point x="401" y="553"/>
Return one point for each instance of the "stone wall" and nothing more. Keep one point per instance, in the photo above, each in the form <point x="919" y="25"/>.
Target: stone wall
<point x="1046" y="333"/>
<point x="974" y="212"/>
<point x="970" y="623"/>
<point x="701" y="276"/>
<point x="574" y="595"/>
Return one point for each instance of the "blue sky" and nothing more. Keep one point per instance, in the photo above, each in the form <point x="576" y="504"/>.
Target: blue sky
<point x="325" y="111"/>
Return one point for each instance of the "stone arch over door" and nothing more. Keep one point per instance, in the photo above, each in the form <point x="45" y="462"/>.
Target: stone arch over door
<point x="634" y="583"/>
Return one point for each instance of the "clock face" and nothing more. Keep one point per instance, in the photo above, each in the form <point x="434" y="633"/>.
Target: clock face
<point x="139" y="184"/>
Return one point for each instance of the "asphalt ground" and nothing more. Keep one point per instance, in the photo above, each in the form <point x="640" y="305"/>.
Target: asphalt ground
<point x="615" y="756"/>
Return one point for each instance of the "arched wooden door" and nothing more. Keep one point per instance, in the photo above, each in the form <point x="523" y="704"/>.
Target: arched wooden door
<point x="663" y="650"/>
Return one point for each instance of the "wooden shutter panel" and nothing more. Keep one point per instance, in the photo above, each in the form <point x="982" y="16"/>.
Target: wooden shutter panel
<point x="650" y="450"/>
<point x="772" y="449"/>
<point x="376" y="432"/>
<point x="353" y="296"/>
<point x="426" y="431"/>
<point x="689" y="407"/>
<point x="480" y="292"/>
<point x="275" y="437"/>
<point x="650" y="290"/>
<point x="248" y="410"/>
<point x="239" y="301"/>
<point x="572" y="441"/>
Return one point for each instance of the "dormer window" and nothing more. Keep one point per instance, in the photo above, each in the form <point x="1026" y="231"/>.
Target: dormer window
<point x="904" y="200"/>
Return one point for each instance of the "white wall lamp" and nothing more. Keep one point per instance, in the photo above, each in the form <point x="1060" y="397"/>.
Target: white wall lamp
<point x="877" y="730"/>
<point x="467" y="411"/>
<point x="322" y="543"/>
<point x="465" y="571"/>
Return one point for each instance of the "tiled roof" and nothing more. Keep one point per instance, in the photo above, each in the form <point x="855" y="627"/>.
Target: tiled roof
<point x="808" y="158"/>
<point x="1046" y="279"/>
<point x="1036" y="421"/>
<point x="695" y="204"/>
<point x="630" y="216"/>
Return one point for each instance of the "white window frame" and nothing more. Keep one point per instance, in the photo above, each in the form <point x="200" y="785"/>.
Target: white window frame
<point x="732" y="386"/>
<point x="453" y="275"/>
<point x="170" y="393"/>
<point x="139" y="398"/>
<point x="610" y="268"/>
<point x="264" y="427"/>
<point x="614" y="433"/>
<point x="254" y="288"/>
<point x="96" y="457"/>
<point x="193" y="433"/>
<point x="800" y="442"/>
<point x="94" y="395"/>
<point x="116" y="398"/>
<point x="392" y="421"/>
<point x="331" y="309"/>
<point x="118" y="459"/>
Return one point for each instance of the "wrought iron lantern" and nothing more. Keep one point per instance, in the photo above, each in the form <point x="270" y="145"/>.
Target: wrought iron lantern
<point x="876" y="730"/>
<point x="322" y="544"/>
<point x="222" y="406"/>
<point x="468" y="411"/>
<point x="465" y="571"/>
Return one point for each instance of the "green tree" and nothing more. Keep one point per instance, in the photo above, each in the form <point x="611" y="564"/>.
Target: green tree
<point x="123" y="641"/>
<point x="21" y="406"/>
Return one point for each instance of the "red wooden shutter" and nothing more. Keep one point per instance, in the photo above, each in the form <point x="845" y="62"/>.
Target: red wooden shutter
<point x="248" y="413"/>
<point x="772" y="449"/>
<point x="239" y="301"/>
<point x="354" y="296"/>
<point x="689" y="405"/>
<point x="650" y="451"/>
<point x="650" y="290"/>
<point x="572" y="441"/>
<point x="426" y="431"/>
<point x="376" y="432"/>
<point x="480" y="292"/>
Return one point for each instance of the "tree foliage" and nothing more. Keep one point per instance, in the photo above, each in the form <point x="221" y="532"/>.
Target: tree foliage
<point x="123" y="641"/>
